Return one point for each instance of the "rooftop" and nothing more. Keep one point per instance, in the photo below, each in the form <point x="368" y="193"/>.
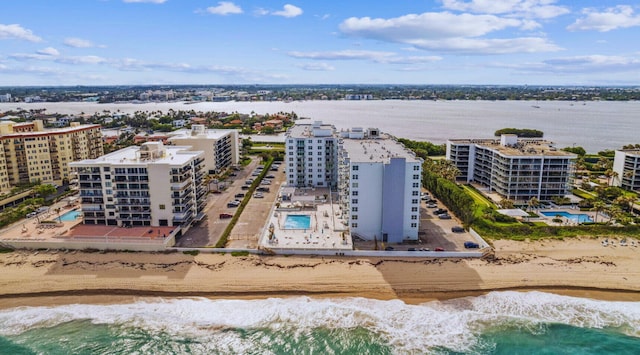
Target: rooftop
<point x="377" y="150"/>
<point x="199" y="132"/>
<point x="171" y="155"/>
<point x="523" y="147"/>
<point x="304" y="130"/>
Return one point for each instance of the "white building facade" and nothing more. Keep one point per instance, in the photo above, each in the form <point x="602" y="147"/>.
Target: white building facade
<point x="516" y="169"/>
<point x="311" y="155"/>
<point x="151" y="185"/>
<point x="379" y="187"/>
<point x="221" y="147"/>
<point x="626" y="165"/>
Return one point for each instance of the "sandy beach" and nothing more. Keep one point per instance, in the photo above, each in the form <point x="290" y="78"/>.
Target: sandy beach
<point x="578" y="267"/>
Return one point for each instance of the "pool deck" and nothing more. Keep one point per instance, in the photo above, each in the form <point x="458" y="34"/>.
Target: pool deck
<point x="326" y="231"/>
<point x="568" y="221"/>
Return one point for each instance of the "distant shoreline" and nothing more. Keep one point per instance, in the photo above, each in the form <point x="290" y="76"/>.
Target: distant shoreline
<point x="565" y="123"/>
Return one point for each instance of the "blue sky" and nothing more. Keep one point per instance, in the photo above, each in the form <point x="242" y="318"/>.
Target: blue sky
<point x="106" y="42"/>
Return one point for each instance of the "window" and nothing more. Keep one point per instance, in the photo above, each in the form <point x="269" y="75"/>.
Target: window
<point x="290" y="164"/>
<point x="414" y="225"/>
<point x="354" y="225"/>
<point x="414" y="201"/>
<point x="310" y="159"/>
<point x="319" y="176"/>
<point x="162" y="206"/>
<point x="355" y="177"/>
<point x="413" y="216"/>
<point x="354" y="217"/>
<point x="290" y="159"/>
<point x="354" y="201"/>
<point x="355" y="184"/>
<point x="416" y="168"/>
<point x="354" y="193"/>
<point x="414" y="209"/>
<point x="354" y="209"/>
<point x="355" y="168"/>
<point x="415" y="193"/>
<point x="290" y="176"/>
<point x="415" y="184"/>
<point x="416" y="177"/>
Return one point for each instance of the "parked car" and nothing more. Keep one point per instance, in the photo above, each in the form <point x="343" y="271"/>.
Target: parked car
<point x="245" y="187"/>
<point x="240" y="195"/>
<point x="258" y="195"/>
<point x="439" y="211"/>
<point x="439" y="249"/>
<point x="249" y="182"/>
<point x="274" y="168"/>
<point x="457" y="229"/>
<point x="263" y="189"/>
<point x="225" y="215"/>
<point x="265" y="182"/>
<point x="425" y="249"/>
<point x="471" y="245"/>
<point x="233" y="174"/>
<point x="389" y="248"/>
<point x="431" y="205"/>
<point x="270" y="176"/>
<point x="32" y="214"/>
<point x="234" y="203"/>
<point x="412" y="249"/>
<point x="444" y="216"/>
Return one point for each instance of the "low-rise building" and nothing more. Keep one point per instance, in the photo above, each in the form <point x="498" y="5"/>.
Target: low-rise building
<point x="515" y="168"/>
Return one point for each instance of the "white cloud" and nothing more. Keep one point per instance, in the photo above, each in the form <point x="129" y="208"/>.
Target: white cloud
<point x="621" y="16"/>
<point x="225" y="8"/>
<point x="488" y="46"/>
<point x="448" y="32"/>
<point x="288" y="11"/>
<point x="146" y="1"/>
<point x="78" y="42"/>
<point x="579" y="64"/>
<point x="374" y="56"/>
<point x="15" y="31"/>
<point x="543" y="9"/>
<point x="49" y="51"/>
<point x="316" y="67"/>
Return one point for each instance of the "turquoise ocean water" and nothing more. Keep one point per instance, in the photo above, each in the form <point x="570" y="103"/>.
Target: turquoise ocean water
<point x="496" y="323"/>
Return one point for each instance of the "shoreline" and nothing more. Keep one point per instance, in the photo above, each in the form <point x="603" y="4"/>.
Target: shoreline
<point x="125" y="296"/>
<point x="578" y="267"/>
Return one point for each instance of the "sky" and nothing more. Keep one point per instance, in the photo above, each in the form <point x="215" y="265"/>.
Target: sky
<point x="476" y="42"/>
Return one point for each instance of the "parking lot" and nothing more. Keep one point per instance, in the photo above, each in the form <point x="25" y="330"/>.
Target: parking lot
<point x="434" y="233"/>
<point x="245" y="233"/>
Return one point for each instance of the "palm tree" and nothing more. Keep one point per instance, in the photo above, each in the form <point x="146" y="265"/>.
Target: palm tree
<point x="506" y="203"/>
<point x="533" y="203"/>
<point x="598" y="207"/>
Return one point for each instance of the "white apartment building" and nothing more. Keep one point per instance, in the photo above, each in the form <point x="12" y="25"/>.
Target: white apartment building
<point x="516" y="169"/>
<point x="311" y="155"/>
<point x="221" y="147"/>
<point x="379" y="186"/>
<point x="150" y="185"/>
<point x="626" y="165"/>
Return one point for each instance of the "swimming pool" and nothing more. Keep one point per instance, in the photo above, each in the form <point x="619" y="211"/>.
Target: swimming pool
<point x="70" y="216"/>
<point x="297" y="221"/>
<point x="580" y="218"/>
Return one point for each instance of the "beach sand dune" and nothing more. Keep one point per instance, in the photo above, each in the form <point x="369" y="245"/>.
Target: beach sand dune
<point x="578" y="267"/>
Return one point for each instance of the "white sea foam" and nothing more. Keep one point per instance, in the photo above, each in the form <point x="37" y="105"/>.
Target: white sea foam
<point x="456" y="324"/>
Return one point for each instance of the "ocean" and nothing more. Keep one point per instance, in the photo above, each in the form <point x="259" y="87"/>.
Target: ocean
<point x="496" y="323"/>
<point x="594" y="125"/>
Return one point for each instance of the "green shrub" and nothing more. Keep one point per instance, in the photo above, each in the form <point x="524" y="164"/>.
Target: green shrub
<point x="239" y="253"/>
<point x="191" y="252"/>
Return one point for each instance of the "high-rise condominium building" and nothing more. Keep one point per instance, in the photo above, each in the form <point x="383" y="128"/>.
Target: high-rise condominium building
<point x="150" y="185"/>
<point x="30" y="153"/>
<point x="379" y="186"/>
<point x="516" y="169"/>
<point x="311" y="155"/>
<point x="220" y="146"/>
<point x="626" y="165"/>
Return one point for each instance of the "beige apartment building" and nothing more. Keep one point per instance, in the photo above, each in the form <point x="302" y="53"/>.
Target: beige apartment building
<point x="29" y="152"/>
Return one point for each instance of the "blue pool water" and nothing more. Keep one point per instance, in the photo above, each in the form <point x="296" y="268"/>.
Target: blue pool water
<point x="297" y="221"/>
<point x="580" y="218"/>
<point x="70" y="216"/>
